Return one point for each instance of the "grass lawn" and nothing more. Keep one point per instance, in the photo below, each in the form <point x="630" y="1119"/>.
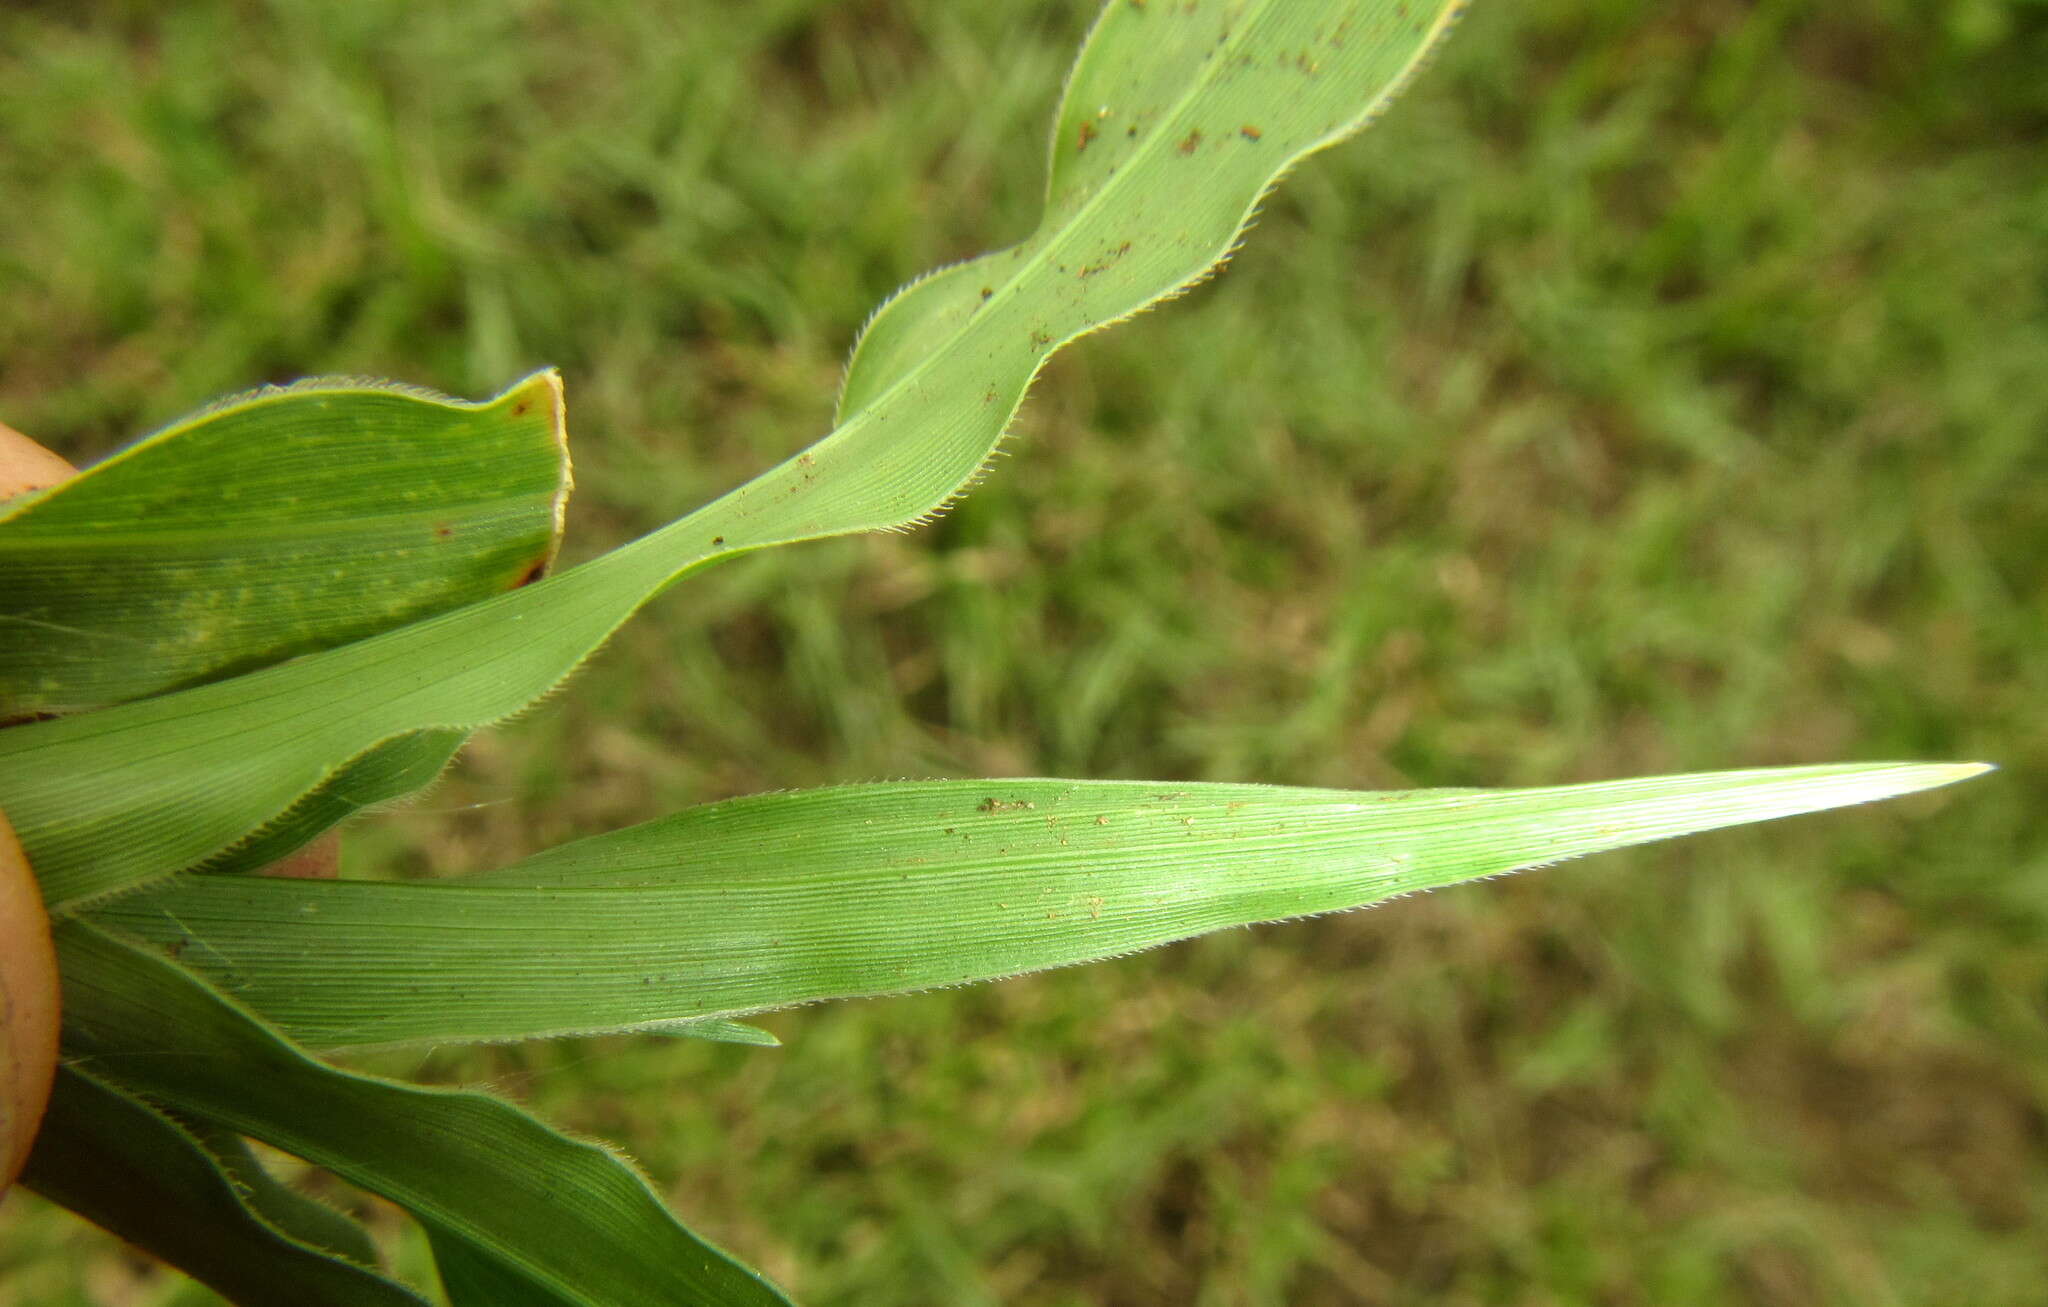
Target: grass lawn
<point x="1656" y="388"/>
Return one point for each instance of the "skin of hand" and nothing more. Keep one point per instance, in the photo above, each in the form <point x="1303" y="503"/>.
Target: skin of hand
<point x="28" y="961"/>
<point x="29" y="1008"/>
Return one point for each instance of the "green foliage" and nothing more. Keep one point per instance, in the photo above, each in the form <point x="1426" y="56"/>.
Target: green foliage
<point x="780" y="899"/>
<point x="113" y="1158"/>
<point x="519" y="1205"/>
<point x="270" y="525"/>
<point x="1362" y="581"/>
<point x="149" y="788"/>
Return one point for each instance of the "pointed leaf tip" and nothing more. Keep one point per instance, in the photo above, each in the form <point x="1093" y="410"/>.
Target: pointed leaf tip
<point x="757" y="903"/>
<point x="1912" y="777"/>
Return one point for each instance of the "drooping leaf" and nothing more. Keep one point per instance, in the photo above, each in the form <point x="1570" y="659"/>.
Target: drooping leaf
<point x="1177" y="119"/>
<point x="761" y="902"/>
<point x="270" y="525"/>
<point x="128" y="1168"/>
<point x="568" y="1218"/>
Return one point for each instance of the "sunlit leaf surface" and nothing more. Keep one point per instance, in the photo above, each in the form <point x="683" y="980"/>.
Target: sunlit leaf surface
<point x="784" y="898"/>
<point x="1177" y="119"/>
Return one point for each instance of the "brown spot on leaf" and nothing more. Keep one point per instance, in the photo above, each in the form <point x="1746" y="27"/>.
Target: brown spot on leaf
<point x="1191" y="141"/>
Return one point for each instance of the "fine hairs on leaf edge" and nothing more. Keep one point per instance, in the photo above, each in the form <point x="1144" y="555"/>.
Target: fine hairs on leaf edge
<point x="1341" y="128"/>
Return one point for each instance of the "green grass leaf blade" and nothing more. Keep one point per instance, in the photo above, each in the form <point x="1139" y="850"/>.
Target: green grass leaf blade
<point x="777" y="899"/>
<point x="1216" y="102"/>
<point x="1184" y="113"/>
<point x="570" y="1218"/>
<point x="392" y="770"/>
<point x="473" y="1281"/>
<point x="128" y="1168"/>
<point x="305" y="1219"/>
<point x="719" y="1032"/>
<point x="270" y="525"/>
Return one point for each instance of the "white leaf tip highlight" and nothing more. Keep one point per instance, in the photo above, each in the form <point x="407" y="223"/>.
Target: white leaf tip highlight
<point x="1912" y="777"/>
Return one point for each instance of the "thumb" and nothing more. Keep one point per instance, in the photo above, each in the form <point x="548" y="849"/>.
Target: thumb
<point x="28" y="963"/>
<point x="25" y="465"/>
<point x="28" y="1006"/>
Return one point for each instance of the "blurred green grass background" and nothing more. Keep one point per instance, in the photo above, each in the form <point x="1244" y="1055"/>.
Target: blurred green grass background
<point x="1656" y="388"/>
